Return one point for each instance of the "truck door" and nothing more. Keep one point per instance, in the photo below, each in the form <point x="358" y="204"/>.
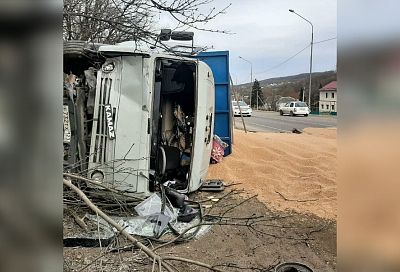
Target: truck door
<point x="119" y="135"/>
<point x="204" y="129"/>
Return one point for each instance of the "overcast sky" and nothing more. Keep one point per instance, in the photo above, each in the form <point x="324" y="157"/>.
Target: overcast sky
<point x="267" y="34"/>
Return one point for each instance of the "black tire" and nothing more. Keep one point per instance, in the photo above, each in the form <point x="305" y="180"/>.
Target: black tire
<point x="281" y="112"/>
<point x="305" y="115"/>
<point x="291" y="113"/>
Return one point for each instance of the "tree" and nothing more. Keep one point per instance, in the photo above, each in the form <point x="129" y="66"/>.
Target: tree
<point x="301" y="92"/>
<point x="113" y="21"/>
<point x="256" y="93"/>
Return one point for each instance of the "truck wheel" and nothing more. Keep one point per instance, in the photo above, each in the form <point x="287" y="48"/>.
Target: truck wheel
<point x="281" y="112"/>
<point x="291" y="113"/>
<point x="305" y="115"/>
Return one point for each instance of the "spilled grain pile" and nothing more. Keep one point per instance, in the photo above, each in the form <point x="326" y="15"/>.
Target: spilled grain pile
<point x="287" y="171"/>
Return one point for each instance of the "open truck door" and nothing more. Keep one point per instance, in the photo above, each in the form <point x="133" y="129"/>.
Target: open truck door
<point x="205" y="125"/>
<point x="182" y="122"/>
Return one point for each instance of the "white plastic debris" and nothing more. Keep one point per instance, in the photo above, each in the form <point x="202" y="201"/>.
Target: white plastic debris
<point x="152" y="205"/>
<point x="149" y="226"/>
<point x="200" y="231"/>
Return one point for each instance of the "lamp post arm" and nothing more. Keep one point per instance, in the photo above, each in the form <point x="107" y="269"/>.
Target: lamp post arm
<point x="312" y="26"/>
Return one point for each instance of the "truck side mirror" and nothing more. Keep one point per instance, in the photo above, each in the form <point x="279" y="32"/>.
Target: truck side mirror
<point x="165" y="35"/>
<point x="182" y="35"/>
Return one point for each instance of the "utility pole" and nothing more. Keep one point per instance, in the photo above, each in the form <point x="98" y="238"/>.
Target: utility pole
<point x="257" y="99"/>
<point x="251" y="76"/>
<point x="311" y="55"/>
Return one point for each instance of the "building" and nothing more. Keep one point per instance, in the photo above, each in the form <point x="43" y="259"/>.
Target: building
<point x="328" y="98"/>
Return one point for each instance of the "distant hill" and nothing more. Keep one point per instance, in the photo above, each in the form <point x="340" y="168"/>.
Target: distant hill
<point x="273" y="88"/>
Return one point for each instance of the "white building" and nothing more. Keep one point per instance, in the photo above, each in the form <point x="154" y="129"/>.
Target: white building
<point x="328" y="98"/>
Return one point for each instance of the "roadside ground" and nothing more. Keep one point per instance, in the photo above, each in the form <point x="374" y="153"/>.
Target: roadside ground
<point x="279" y="206"/>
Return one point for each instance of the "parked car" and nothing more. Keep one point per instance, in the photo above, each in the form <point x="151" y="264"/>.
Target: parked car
<point x="295" y="108"/>
<point x="283" y="101"/>
<point x="246" y="110"/>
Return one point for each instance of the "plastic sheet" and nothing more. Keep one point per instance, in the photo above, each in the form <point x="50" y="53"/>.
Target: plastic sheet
<point x="149" y="226"/>
<point x="201" y="231"/>
<point x="152" y="205"/>
<point x="150" y="222"/>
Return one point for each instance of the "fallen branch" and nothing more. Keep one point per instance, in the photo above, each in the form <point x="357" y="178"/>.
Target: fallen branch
<point x="79" y="221"/>
<point x="230" y="209"/>
<point x="193" y="262"/>
<point x="234" y="191"/>
<point x="150" y="253"/>
<point x="296" y="200"/>
<point x="98" y="184"/>
<point x="94" y="208"/>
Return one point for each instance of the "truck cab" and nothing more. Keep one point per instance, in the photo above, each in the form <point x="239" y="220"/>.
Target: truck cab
<point x="134" y="118"/>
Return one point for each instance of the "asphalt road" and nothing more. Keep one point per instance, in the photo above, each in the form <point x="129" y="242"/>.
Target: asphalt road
<point x="273" y="122"/>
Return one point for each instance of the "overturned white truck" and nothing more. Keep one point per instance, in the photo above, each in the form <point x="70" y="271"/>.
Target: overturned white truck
<point x="134" y="118"/>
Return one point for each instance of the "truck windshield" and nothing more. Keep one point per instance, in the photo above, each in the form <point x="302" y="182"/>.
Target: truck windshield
<point x="241" y="103"/>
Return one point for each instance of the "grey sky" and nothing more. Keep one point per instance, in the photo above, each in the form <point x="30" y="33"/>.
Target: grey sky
<point x="266" y="33"/>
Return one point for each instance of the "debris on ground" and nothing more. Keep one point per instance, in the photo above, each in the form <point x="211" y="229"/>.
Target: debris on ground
<point x="244" y="236"/>
<point x="217" y="152"/>
<point x="213" y="185"/>
<point x="292" y="267"/>
<point x="220" y="225"/>
<point x="296" y="131"/>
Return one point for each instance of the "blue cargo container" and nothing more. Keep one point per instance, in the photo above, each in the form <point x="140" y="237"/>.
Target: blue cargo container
<point x="219" y="64"/>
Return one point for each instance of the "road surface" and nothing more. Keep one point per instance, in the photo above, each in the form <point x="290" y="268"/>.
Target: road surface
<point x="273" y="122"/>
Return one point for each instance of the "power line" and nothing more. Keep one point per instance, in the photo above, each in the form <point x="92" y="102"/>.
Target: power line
<point x="334" y="38"/>
<point x="285" y="61"/>
<point x="290" y="58"/>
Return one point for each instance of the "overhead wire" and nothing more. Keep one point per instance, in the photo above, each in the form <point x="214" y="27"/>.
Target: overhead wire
<point x="283" y="62"/>
<point x="295" y="55"/>
<point x="327" y="40"/>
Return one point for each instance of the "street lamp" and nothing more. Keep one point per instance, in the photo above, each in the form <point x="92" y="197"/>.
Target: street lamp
<point x="312" y="42"/>
<point x="251" y="75"/>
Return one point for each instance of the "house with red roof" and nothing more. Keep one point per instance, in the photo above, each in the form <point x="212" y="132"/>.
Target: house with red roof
<point x="328" y="98"/>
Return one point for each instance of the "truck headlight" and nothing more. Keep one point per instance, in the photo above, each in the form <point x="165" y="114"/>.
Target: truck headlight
<point x="97" y="176"/>
<point x="108" y="67"/>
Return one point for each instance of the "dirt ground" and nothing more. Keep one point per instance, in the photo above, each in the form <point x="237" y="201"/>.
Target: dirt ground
<point x="292" y="218"/>
<point x="286" y="170"/>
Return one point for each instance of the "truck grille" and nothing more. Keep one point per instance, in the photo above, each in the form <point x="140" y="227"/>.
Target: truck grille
<point x="99" y="155"/>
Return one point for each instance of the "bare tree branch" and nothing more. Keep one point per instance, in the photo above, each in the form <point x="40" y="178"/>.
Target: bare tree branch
<point x="94" y="208"/>
<point x="113" y="21"/>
